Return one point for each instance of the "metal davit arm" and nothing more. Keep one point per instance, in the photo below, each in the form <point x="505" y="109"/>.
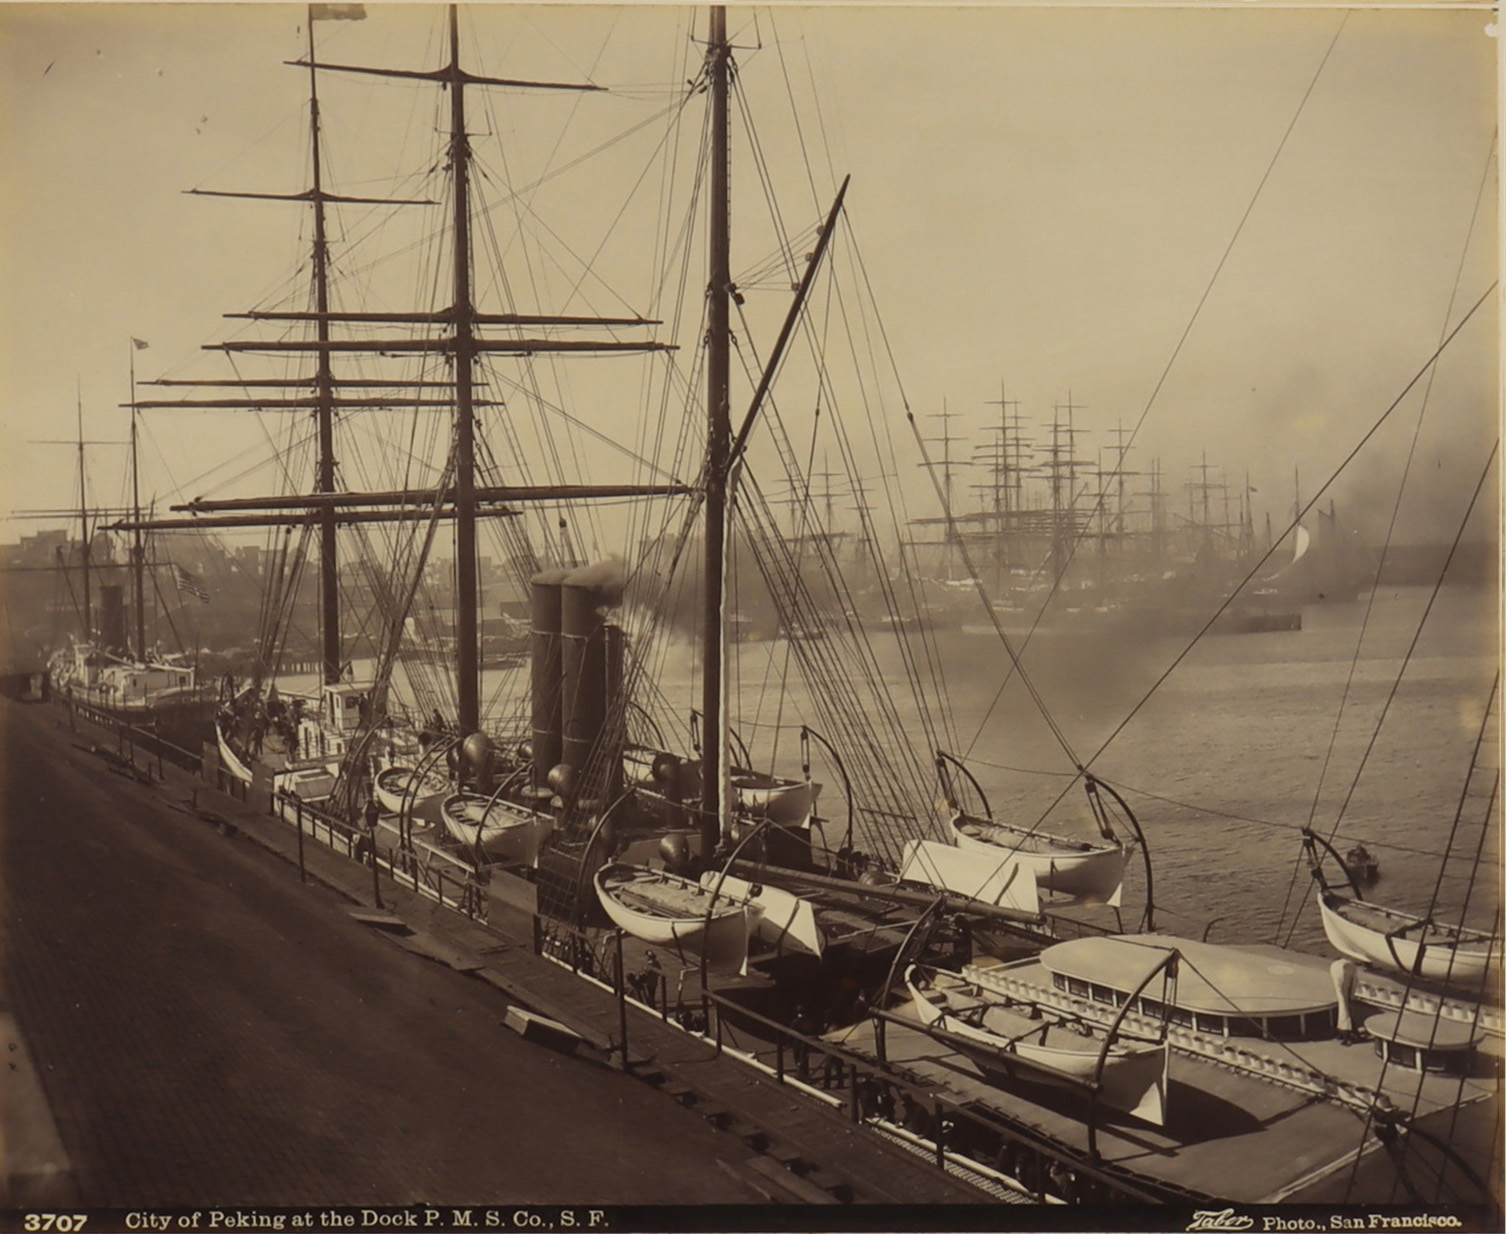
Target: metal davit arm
<point x="1310" y="840"/>
<point x="913" y="942"/>
<point x="952" y="800"/>
<point x="807" y="734"/>
<point x="1092" y="783"/>
<point x="1166" y="964"/>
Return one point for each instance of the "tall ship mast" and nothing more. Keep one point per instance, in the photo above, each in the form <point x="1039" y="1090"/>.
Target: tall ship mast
<point x="461" y="343"/>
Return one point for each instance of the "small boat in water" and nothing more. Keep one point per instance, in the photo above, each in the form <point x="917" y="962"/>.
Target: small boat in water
<point x="497" y="828"/>
<point x="669" y="911"/>
<point x="1090" y="869"/>
<point x="1362" y="864"/>
<point x="995" y="1032"/>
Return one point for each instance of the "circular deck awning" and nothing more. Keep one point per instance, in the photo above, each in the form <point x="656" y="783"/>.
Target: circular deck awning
<point x="1211" y="979"/>
<point x="1422" y="1032"/>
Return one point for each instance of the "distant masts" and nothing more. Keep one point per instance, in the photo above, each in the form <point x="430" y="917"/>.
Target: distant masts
<point x="86" y="548"/>
<point x="946" y="438"/>
<point x="1061" y="468"/>
<point x="1003" y="458"/>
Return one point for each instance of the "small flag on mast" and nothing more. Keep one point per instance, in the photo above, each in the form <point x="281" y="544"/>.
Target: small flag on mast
<point x="140" y="344"/>
<point x="190" y="583"/>
<point x="337" y="12"/>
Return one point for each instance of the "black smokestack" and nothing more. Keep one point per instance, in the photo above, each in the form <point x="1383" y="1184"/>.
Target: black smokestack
<point x="587" y="668"/>
<point x="547" y="724"/>
<point x="112" y="631"/>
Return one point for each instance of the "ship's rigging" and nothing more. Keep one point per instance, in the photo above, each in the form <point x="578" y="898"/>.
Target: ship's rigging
<point x="721" y="512"/>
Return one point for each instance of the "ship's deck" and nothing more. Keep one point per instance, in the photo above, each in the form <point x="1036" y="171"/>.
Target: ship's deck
<point x="1235" y="1127"/>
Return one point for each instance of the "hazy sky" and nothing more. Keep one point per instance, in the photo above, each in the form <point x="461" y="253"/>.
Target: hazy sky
<point x="1042" y="197"/>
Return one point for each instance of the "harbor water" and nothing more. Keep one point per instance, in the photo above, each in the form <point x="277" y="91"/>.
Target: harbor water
<point x="1251" y="738"/>
<point x="1254" y="736"/>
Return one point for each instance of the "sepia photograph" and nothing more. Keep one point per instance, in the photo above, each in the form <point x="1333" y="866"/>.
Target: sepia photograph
<point x="651" y="617"/>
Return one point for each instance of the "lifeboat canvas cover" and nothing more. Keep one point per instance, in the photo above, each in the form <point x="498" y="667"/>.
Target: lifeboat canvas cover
<point x="783" y="920"/>
<point x="1004" y="883"/>
<point x="1136" y="1081"/>
<point x="1103" y="880"/>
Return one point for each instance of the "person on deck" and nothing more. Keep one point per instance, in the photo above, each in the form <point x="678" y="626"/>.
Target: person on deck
<point x="1343" y="973"/>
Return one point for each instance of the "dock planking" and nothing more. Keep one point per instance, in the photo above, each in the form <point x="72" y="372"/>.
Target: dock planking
<point x="210" y="1030"/>
<point x="851" y="1163"/>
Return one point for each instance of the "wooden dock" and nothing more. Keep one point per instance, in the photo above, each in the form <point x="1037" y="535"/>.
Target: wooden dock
<point x="782" y="1145"/>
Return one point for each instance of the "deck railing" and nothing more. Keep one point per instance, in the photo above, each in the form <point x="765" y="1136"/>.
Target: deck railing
<point x="447" y="882"/>
<point x="873" y="1095"/>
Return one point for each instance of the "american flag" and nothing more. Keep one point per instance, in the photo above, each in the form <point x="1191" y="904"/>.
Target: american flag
<point x="191" y="583"/>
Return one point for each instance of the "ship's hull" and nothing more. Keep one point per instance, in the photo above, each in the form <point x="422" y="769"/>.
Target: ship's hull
<point x="184" y="718"/>
<point x="148" y="694"/>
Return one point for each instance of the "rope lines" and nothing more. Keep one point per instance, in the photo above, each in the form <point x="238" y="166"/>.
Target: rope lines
<point x="1401" y="488"/>
<point x="1313" y="501"/>
<point x="1407" y="658"/>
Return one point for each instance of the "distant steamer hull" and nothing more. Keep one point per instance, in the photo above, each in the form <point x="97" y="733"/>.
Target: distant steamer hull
<point x="155" y="694"/>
